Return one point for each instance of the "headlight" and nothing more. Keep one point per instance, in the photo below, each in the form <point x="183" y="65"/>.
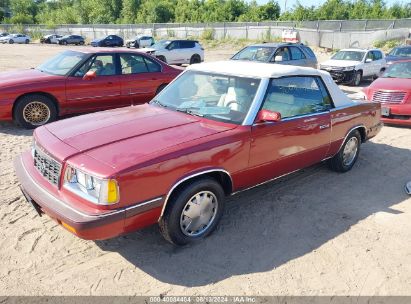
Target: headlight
<point x="350" y="68"/>
<point x="96" y="190"/>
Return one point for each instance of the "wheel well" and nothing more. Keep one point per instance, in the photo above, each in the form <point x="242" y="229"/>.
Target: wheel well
<point x="221" y="177"/>
<point x="52" y="98"/>
<point x="362" y="133"/>
<point x="360" y="71"/>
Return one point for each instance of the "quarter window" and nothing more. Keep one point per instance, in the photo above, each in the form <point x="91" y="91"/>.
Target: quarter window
<point x="295" y="96"/>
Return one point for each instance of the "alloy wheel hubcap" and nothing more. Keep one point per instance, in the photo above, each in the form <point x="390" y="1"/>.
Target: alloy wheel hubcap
<point x="36" y="113"/>
<point x="199" y="213"/>
<point x="350" y="151"/>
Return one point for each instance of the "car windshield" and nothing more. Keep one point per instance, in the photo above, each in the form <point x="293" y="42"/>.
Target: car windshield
<point x="254" y="53"/>
<point x="62" y="63"/>
<point x="348" y="55"/>
<point x="398" y="70"/>
<point x="161" y="44"/>
<point x="66" y="36"/>
<point x="402" y="52"/>
<point x="214" y="96"/>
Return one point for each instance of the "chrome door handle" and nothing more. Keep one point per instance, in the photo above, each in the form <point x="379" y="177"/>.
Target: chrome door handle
<point x="324" y="126"/>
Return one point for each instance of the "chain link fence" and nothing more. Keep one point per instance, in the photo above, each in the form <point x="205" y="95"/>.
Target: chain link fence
<point x="333" y="34"/>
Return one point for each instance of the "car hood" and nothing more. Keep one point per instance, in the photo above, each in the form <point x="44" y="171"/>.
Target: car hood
<point x="97" y="40"/>
<point x="147" y="50"/>
<point x="22" y="77"/>
<point x="340" y="63"/>
<point x="394" y="84"/>
<point x="129" y="136"/>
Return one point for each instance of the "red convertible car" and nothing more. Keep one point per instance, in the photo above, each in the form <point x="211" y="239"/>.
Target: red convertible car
<point x="81" y="81"/>
<point x="218" y="129"/>
<point x="393" y="91"/>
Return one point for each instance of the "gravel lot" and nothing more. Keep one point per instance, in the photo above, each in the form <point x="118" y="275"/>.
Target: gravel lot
<point x="315" y="232"/>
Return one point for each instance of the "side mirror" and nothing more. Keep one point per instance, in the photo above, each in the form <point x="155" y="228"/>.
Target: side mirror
<point x="368" y="60"/>
<point x="90" y="75"/>
<point x="278" y="58"/>
<point x="267" y="115"/>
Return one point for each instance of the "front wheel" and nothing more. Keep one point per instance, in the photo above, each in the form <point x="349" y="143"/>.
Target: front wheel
<point x="357" y="78"/>
<point x="81" y="42"/>
<point x="27" y="41"/>
<point x="193" y="212"/>
<point x="345" y="159"/>
<point x="11" y="41"/>
<point x="34" y="110"/>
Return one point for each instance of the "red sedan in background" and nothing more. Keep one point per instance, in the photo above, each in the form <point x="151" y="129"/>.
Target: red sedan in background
<point x="393" y="91"/>
<point x="81" y="81"/>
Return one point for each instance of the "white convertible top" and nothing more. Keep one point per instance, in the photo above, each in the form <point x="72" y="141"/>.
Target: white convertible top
<point x="268" y="70"/>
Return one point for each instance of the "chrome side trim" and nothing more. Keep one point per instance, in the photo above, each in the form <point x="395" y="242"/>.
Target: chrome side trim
<point x="82" y="213"/>
<point x="273" y="179"/>
<point x="257" y="101"/>
<point x="348" y="133"/>
<point x="81" y="98"/>
<point x="187" y="178"/>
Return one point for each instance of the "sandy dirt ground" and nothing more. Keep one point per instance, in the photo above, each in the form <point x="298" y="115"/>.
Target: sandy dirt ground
<point x="314" y="232"/>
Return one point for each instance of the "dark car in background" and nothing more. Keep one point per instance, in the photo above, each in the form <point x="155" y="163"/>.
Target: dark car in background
<point x="280" y="53"/>
<point x="110" y="40"/>
<point x="4" y="34"/>
<point x="399" y="53"/>
<point x="71" y="39"/>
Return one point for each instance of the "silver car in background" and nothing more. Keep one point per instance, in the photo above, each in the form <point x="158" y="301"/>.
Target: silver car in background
<point x="280" y="53"/>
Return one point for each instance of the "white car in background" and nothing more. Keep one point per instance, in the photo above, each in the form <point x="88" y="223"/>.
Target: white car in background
<point x="352" y="65"/>
<point x="15" y="38"/>
<point x="177" y="51"/>
<point x="140" y="42"/>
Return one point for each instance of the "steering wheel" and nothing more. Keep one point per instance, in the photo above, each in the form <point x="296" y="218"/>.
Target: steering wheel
<point x="232" y="102"/>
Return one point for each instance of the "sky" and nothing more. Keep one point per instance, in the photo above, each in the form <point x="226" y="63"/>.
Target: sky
<point x="290" y="3"/>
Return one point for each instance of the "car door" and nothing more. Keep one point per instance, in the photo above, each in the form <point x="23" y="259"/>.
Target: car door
<point x="379" y="61"/>
<point x="281" y="56"/>
<point x="297" y="57"/>
<point x="173" y="53"/>
<point x="140" y="77"/>
<point x="302" y="136"/>
<point x="102" y="92"/>
<point x="369" y="65"/>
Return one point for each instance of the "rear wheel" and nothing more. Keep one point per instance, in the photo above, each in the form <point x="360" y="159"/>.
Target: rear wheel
<point x="160" y="88"/>
<point x="27" y="41"/>
<point x="34" y="110"/>
<point x="195" y="59"/>
<point x="64" y="42"/>
<point x="345" y="159"/>
<point x="193" y="212"/>
<point x="81" y="42"/>
<point x="162" y="58"/>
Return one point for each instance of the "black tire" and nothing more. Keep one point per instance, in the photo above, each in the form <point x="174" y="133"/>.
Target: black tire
<point x="11" y="41"/>
<point x="170" y="223"/>
<point x="64" y="42"/>
<point x="337" y="163"/>
<point x="27" y="41"/>
<point x="195" y="59"/>
<point x="81" y="42"/>
<point x="357" y="78"/>
<point x="160" y="88"/>
<point x="162" y="58"/>
<point x="136" y="45"/>
<point x="43" y="102"/>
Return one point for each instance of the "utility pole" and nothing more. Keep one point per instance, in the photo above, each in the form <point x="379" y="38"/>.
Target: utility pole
<point x="285" y="6"/>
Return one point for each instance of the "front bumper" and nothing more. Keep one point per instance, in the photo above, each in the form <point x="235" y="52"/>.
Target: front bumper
<point x="97" y="226"/>
<point x="341" y="76"/>
<point x="398" y="114"/>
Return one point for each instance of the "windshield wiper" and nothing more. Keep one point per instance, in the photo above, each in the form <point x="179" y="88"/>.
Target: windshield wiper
<point x="189" y="111"/>
<point x="156" y="101"/>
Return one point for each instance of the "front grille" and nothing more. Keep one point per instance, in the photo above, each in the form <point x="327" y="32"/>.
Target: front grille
<point x="47" y="166"/>
<point x="388" y="97"/>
